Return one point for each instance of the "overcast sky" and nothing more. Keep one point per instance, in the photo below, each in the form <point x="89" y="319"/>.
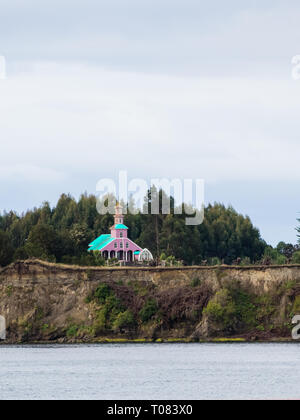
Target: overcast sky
<point x="175" y="88"/>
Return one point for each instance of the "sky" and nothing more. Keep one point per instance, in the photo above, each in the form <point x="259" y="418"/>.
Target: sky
<point x="168" y="88"/>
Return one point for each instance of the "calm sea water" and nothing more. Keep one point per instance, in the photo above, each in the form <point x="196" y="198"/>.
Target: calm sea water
<point x="150" y="371"/>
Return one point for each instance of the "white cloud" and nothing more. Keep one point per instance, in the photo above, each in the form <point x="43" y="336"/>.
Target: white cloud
<point x="24" y="173"/>
<point x="78" y="118"/>
<point x="67" y="124"/>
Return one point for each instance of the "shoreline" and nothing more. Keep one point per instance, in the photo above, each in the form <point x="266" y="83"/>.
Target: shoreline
<point x="278" y="340"/>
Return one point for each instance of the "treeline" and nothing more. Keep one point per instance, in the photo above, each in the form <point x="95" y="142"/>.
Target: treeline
<point x="62" y="234"/>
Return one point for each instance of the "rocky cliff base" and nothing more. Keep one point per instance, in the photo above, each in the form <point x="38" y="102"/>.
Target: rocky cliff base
<point x="44" y="302"/>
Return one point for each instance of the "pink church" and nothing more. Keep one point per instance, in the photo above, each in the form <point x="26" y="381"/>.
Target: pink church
<point x="117" y="244"/>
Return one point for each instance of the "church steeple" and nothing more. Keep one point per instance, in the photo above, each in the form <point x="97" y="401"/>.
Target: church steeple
<point x="119" y="217"/>
<point x="119" y="230"/>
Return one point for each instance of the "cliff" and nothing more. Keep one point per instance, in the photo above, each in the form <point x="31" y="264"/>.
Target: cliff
<point x="45" y="302"/>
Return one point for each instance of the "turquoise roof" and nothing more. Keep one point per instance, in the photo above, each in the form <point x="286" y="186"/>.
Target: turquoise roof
<point x="120" y="226"/>
<point x="137" y="252"/>
<point x="100" y="242"/>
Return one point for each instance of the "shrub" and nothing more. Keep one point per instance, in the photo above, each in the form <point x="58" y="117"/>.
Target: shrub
<point x="215" y="311"/>
<point x="280" y="260"/>
<point x="72" y="331"/>
<point x="231" y="308"/>
<point x="163" y="256"/>
<point x="99" y="260"/>
<point x="245" y="261"/>
<point x="296" y="258"/>
<point x="124" y="320"/>
<point x="113" y="261"/>
<point x="149" y="310"/>
<point x="273" y="256"/>
<point x="103" y="292"/>
<point x="100" y="323"/>
<point x="215" y="261"/>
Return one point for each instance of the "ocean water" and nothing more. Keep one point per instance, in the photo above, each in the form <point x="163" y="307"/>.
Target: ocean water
<point x="151" y="371"/>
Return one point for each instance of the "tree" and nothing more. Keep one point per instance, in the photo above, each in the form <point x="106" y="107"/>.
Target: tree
<point x="6" y="249"/>
<point x="286" y="249"/>
<point x="62" y="233"/>
<point x="44" y="242"/>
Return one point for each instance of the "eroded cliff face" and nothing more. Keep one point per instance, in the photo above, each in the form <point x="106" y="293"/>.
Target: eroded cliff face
<point x="47" y="302"/>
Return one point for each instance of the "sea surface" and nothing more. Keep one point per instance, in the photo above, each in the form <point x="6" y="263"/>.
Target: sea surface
<point x="151" y="371"/>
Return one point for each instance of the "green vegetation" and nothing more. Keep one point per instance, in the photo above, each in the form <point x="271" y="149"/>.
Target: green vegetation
<point x="149" y="310"/>
<point x="6" y="249"/>
<point x="62" y="234"/>
<point x="282" y="254"/>
<point x="170" y="261"/>
<point x="111" y="314"/>
<point x="103" y="292"/>
<point x="232" y="309"/>
<point x="296" y="258"/>
<point x="124" y="320"/>
<point x="72" y="331"/>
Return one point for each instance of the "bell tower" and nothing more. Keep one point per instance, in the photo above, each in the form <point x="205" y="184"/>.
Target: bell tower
<point x="119" y="230"/>
<point x="119" y="217"/>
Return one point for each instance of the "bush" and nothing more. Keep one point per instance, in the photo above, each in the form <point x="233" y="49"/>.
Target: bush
<point x="100" y="323"/>
<point x="149" y="310"/>
<point x="280" y="260"/>
<point x="273" y="256"/>
<point x="221" y="309"/>
<point x="113" y="261"/>
<point x="215" y="261"/>
<point x="124" y="320"/>
<point x="103" y="292"/>
<point x="245" y="261"/>
<point x="163" y="256"/>
<point x="296" y="258"/>
<point x="231" y="308"/>
<point x="215" y="311"/>
<point x="99" y="260"/>
<point x="113" y="307"/>
<point x="72" y="331"/>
